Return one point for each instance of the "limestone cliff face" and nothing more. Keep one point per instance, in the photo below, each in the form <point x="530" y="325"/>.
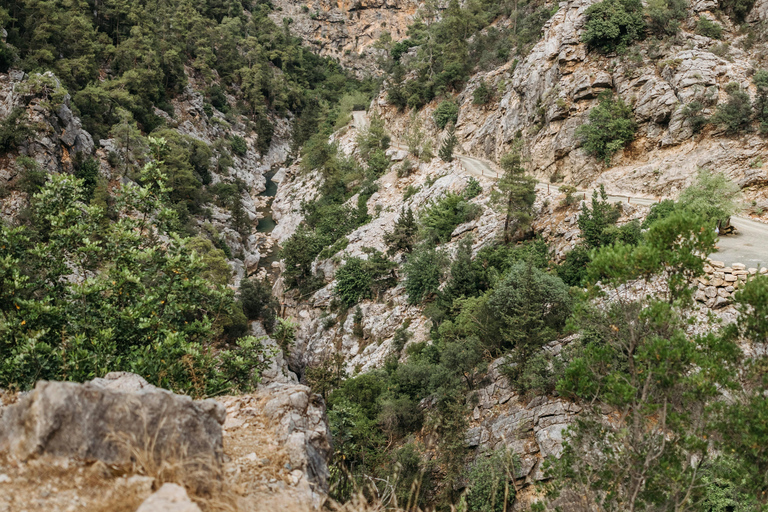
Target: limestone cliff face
<point x="548" y="94"/>
<point x="347" y="29"/>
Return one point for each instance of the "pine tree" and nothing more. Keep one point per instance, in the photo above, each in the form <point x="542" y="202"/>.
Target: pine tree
<point x="514" y="194"/>
<point x="448" y="144"/>
<point x="403" y="236"/>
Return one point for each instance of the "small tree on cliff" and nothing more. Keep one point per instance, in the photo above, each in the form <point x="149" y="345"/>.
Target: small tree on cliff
<point x="448" y="145"/>
<point x="514" y="194"/>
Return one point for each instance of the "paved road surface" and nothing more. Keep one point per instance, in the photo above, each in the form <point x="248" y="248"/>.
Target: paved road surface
<point x="749" y="246"/>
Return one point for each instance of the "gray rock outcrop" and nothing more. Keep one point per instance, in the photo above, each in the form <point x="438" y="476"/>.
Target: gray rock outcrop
<point x="111" y="420"/>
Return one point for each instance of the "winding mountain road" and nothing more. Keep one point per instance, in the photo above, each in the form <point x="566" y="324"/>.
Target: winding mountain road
<point x="748" y="246"/>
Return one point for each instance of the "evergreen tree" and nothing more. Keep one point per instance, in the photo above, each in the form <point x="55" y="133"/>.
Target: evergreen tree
<point x="514" y="194"/>
<point x="448" y="144"/>
<point x="403" y="236"/>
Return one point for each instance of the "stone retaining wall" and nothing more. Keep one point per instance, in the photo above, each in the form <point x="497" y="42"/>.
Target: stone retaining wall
<point x="716" y="288"/>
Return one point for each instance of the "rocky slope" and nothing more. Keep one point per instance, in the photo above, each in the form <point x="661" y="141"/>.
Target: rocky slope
<point x="347" y="30"/>
<point x="107" y="444"/>
<point x="548" y="94"/>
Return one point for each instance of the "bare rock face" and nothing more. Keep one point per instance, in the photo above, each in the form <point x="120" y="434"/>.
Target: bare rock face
<point x="169" y="498"/>
<point x="347" y="30"/>
<point x="111" y="420"/>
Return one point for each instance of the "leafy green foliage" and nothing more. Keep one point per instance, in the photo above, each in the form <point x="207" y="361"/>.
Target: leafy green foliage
<point x="81" y="298"/>
<point x="447" y="112"/>
<point x="14" y="130"/>
<point x="708" y="28"/>
<point x="237" y="145"/>
<point x="361" y="279"/>
<point x="424" y="270"/>
<point x="760" y="79"/>
<point x="438" y="220"/>
<point x="611" y="127"/>
<point x="483" y="94"/>
<point x="514" y="195"/>
<point x="404" y="234"/>
<point x="448" y="144"/>
<point x="735" y="115"/>
<point x="712" y="196"/>
<point x="473" y="188"/>
<point x="738" y="9"/>
<point x="595" y="222"/>
<point x="489" y="482"/>
<point x="447" y="43"/>
<point x="612" y="25"/>
<point x="664" y="16"/>
<point x="692" y="113"/>
<point x="327" y="220"/>
<point x="257" y="302"/>
<point x="32" y="177"/>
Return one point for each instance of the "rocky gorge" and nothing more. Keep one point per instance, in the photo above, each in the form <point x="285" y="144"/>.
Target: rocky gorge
<point x="120" y="443"/>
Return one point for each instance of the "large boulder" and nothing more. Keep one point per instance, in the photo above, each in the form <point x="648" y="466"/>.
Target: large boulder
<point x="118" y="420"/>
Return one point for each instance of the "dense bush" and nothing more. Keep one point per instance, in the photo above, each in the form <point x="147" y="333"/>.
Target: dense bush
<point x="612" y="25"/>
<point x="708" y="28"/>
<point x="735" y="115"/>
<point x="760" y="79"/>
<point x="144" y="306"/>
<point x="32" y="178"/>
<point x="490" y="486"/>
<point x="424" y="270"/>
<point x="404" y="233"/>
<point x="361" y="279"/>
<point x="611" y="127"/>
<point x="438" y="220"/>
<point x="14" y="130"/>
<point x="257" y="302"/>
<point x="737" y="9"/>
<point x="238" y="146"/>
<point x="664" y="16"/>
<point x="483" y="94"/>
<point x="447" y="112"/>
<point x="692" y="113"/>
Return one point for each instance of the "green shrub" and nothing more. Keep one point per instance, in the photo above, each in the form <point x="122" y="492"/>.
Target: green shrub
<point x="447" y="112"/>
<point x="424" y="270"/>
<point x="760" y="79"/>
<point x="483" y="94"/>
<point x="285" y="333"/>
<point x="692" y="113"/>
<point x="403" y="235"/>
<point x="410" y="191"/>
<point x="258" y="303"/>
<point x="361" y="279"/>
<point x="708" y="28"/>
<point x="490" y="482"/>
<point x="611" y="127"/>
<point x="238" y="146"/>
<point x="659" y="211"/>
<point x="595" y="222"/>
<point x="14" y="130"/>
<point x="712" y="196"/>
<point x="32" y="177"/>
<point x="573" y="269"/>
<point x="473" y="189"/>
<point x="736" y="114"/>
<point x="440" y="218"/>
<point x="664" y="16"/>
<point x="612" y="25"/>
<point x="737" y="9"/>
